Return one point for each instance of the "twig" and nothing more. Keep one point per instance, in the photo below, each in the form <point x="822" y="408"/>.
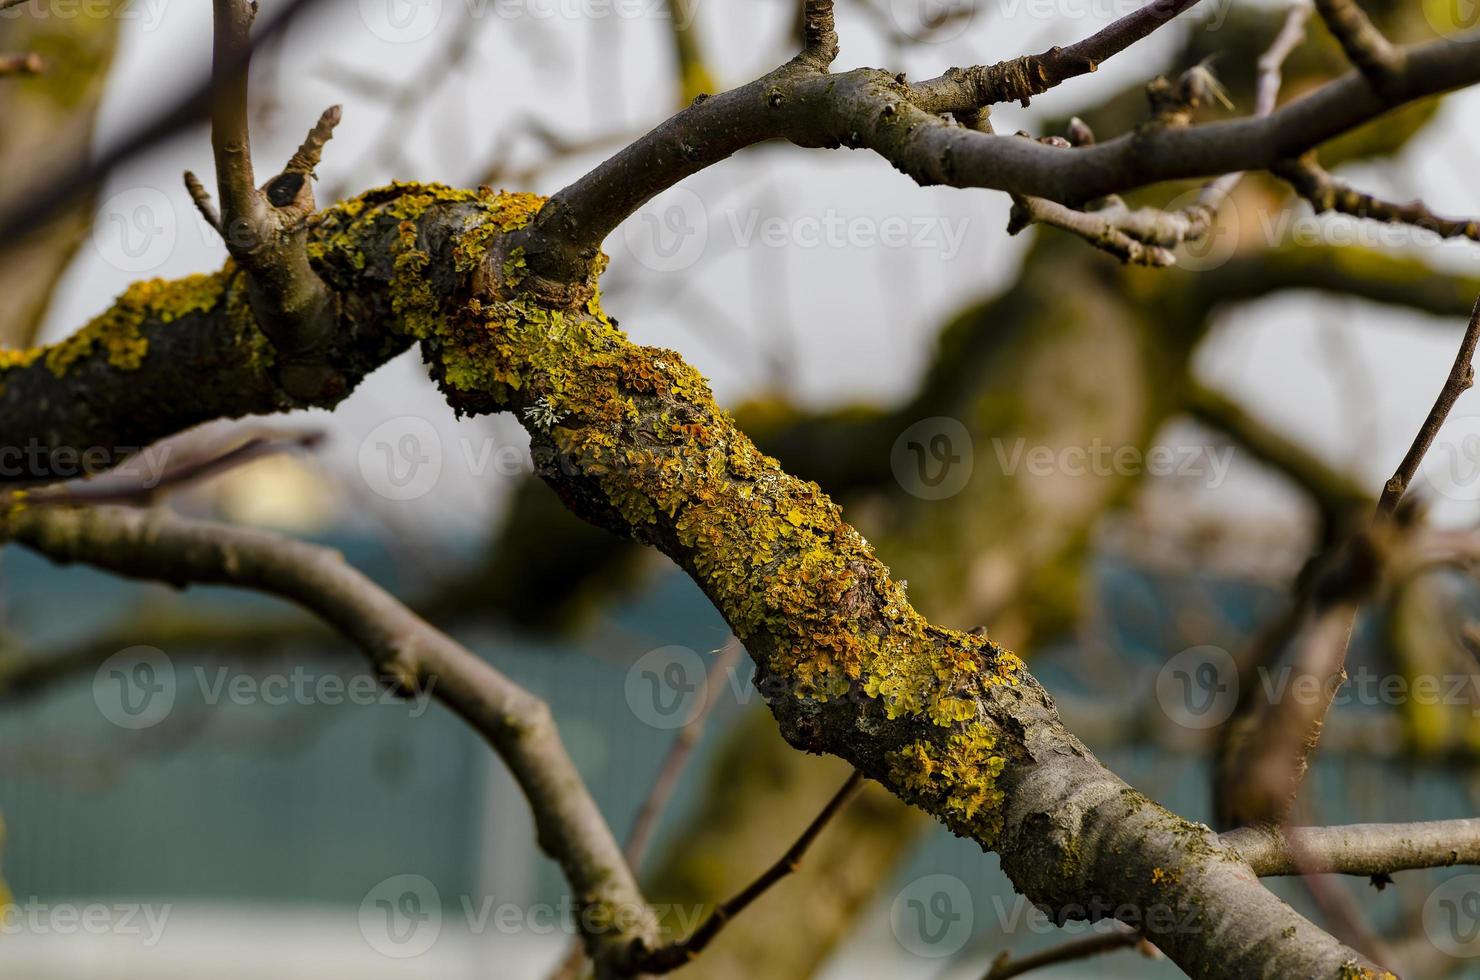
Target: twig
<point x="963" y="89"/>
<point x="265" y="229"/>
<point x="1375" y="56"/>
<point x="668" y="958"/>
<point x="1461" y="379"/>
<point x="1325" y="193"/>
<point x="1076" y="949"/>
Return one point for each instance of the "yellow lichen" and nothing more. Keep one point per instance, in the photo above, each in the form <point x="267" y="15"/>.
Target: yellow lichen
<point x="117" y="332"/>
<point x="955" y="778"/>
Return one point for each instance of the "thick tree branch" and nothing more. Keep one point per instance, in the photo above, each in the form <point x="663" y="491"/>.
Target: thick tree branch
<point x="156" y="544"/>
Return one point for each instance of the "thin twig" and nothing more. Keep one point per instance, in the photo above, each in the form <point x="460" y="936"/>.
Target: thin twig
<point x="668" y="958"/>
<point x="1377" y="58"/>
<point x="1461" y="379"/>
<point x="1076" y="949"/>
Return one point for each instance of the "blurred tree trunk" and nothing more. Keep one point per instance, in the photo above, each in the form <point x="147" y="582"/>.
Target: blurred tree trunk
<point x="48" y="122"/>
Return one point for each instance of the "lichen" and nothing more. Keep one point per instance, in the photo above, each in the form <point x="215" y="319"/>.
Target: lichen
<point x="118" y="331"/>
<point x="954" y="778"/>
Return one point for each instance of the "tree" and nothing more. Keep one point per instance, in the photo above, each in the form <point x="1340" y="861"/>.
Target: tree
<point x="500" y="293"/>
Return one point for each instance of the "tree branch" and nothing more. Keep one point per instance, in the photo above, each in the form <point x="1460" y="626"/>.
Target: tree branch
<point x="1357" y="849"/>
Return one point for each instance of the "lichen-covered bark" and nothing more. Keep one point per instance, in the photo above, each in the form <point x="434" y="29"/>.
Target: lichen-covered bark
<point x="631" y="439"/>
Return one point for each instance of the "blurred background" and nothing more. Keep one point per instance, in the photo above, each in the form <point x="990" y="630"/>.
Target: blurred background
<point x="1127" y="469"/>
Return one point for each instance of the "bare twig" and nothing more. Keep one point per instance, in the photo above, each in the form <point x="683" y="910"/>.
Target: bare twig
<point x="668" y="958"/>
<point x="266" y="229"/>
<point x="1375" y="56"/>
<point x="1325" y="193"/>
<point x="1461" y="379"/>
<point x="1084" y="947"/>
